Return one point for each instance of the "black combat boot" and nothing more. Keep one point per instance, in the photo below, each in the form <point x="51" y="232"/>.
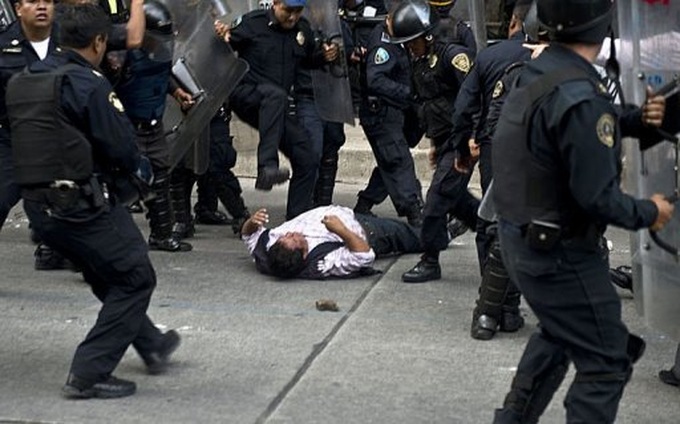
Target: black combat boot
<point x="160" y="218"/>
<point x="267" y="178"/>
<point x="325" y="183"/>
<point x="234" y="204"/>
<point x="181" y="181"/>
<point x="427" y="269"/>
<point x="363" y="206"/>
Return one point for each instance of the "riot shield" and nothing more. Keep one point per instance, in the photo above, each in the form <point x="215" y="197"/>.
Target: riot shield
<point x="7" y="15"/>
<point x="204" y="66"/>
<point x="332" y="93"/>
<point x="650" y="55"/>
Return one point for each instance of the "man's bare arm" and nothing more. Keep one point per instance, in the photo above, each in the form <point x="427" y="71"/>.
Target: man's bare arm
<point x="353" y="241"/>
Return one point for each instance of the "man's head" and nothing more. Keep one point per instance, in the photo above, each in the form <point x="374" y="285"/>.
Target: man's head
<point x="412" y="23"/>
<point x="576" y="21"/>
<point x="288" y="12"/>
<point x="84" y="28"/>
<point x="519" y="15"/>
<point x="35" y="15"/>
<point x="286" y="258"/>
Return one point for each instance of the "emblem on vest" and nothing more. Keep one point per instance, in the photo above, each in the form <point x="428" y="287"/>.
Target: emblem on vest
<point x="115" y="102"/>
<point x="300" y="37"/>
<point x="498" y="90"/>
<point x="433" y="60"/>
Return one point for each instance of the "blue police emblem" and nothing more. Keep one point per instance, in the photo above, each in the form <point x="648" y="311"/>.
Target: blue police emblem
<point x="381" y="56"/>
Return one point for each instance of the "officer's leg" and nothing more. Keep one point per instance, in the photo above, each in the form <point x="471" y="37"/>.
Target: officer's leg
<point x="274" y="107"/>
<point x="396" y="166"/>
<point x="297" y="148"/>
<point x="495" y="299"/>
<point x="374" y="193"/>
<point x="334" y="138"/>
<point x="206" y="206"/>
<point x="181" y="182"/>
<point x="159" y="214"/>
<point x="9" y="190"/>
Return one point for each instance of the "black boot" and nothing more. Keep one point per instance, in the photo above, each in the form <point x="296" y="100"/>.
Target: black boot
<point x="427" y="269"/>
<point x="267" y="178"/>
<point x="181" y="181"/>
<point x="160" y="217"/>
<point x="234" y="204"/>
<point x="205" y="208"/>
<point x="363" y="206"/>
<point x="325" y="184"/>
<point x="511" y="319"/>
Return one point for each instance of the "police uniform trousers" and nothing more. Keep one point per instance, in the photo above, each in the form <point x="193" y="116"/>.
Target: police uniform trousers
<point x="395" y="172"/>
<point x="326" y="138"/>
<point x="245" y="101"/>
<point x="448" y="193"/>
<point x="108" y="246"/>
<point x="219" y="181"/>
<point x="579" y="313"/>
<point x="9" y="190"/>
<point x="388" y="236"/>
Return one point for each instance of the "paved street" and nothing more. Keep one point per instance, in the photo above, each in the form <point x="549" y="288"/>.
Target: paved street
<point x="255" y="349"/>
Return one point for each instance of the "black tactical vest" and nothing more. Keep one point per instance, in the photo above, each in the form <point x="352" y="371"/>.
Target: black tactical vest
<point x="531" y="191"/>
<point x="45" y="144"/>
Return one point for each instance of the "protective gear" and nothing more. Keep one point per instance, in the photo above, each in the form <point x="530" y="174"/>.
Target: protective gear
<point x="161" y="219"/>
<point x="533" y="29"/>
<point x="412" y="19"/>
<point x="576" y="21"/>
<point x="442" y="7"/>
<point x="159" y="39"/>
<point x="158" y="17"/>
<point x="55" y="150"/>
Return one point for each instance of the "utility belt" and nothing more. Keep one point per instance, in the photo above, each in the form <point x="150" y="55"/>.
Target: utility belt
<point x="544" y="236"/>
<point x="64" y="196"/>
<point x="141" y="125"/>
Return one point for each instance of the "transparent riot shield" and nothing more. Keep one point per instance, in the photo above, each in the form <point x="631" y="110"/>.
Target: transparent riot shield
<point x="204" y="66"/>
<point x="7" y="15"/>
<point x="649" y="50"/>
<point x="332" y="93"/>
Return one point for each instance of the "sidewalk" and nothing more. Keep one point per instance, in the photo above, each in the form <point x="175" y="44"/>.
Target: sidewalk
<point x="255" y="350"/>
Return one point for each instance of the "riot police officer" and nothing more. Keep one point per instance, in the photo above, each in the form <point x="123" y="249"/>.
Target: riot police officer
<point x="262" y="98"/>
<point x="387" y="99"/>
<point x="143" y="88"/>
<point x="439" y="67"/>
<point x="70" y="132"/>
<point x="453" y="30"/>
<point x="556" y="162"/>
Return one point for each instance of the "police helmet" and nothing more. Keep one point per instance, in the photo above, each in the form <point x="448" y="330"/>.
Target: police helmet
<point x="572" y="21"/>
<point x="442" y="7"/>
<point x="411" y="19"/>
<point x="158" y="17"/>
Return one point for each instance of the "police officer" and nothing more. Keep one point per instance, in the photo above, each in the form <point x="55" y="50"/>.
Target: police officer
<point x="261" y="99"/>
<point x="556" y="161"/>
<point x="439" y="67"/>
<point x="25" y="41"/>
<point x="68" y="128"/>
<point x="143" y="88"/>
<point x="451" y="29"/>
<point x="388" y="98"/>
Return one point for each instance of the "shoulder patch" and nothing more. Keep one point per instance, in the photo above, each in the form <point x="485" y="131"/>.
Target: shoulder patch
<point x="461" y="61"/>
<point x="300" y="37"/>
<point x="115" y="102"/>
<point x="605" y="129"/>
<point x="381" y="56"/>
<point x="498" y="90"/>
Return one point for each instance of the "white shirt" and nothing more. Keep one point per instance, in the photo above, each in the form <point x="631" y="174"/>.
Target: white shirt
<point x="339" y="262"/>
<point x="40" y="47"/>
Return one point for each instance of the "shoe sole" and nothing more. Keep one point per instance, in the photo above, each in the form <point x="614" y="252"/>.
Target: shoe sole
<point x="419" y="280"/>
<point x="73" y="393"/>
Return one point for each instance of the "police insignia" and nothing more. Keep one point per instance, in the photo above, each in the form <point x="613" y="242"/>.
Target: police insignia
<point x="605" y="129"/>
<point x="433" y="60"/>
<point x="498" y="90"/>
<point x="300" y="37"/>
<point x="115" y="102"/>
<point x="381" y="56"/>
<point x="11" y="50"/>
<point x="461" y="61"/>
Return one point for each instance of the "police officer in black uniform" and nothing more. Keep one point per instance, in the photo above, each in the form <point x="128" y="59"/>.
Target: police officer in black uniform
<point x="556" y="162"/>
<point x="219" y="182"/>
<point x="439" y="67"/>
<point x="70" y="133"/>
<point x="388" y="98"/>
<point x="262" y="98"/>
<point x="451" y="29"/>
<point x="30" y="38"/>
<point x="143" y="89"/>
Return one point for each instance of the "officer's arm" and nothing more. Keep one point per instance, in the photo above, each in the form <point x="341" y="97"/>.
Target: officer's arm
<point x="468" y="104"/>
<point x="378" y="68"/>
<point x="90" y="101"/>
<point x="136" y="25"/>
<point x="588" y="142"/>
